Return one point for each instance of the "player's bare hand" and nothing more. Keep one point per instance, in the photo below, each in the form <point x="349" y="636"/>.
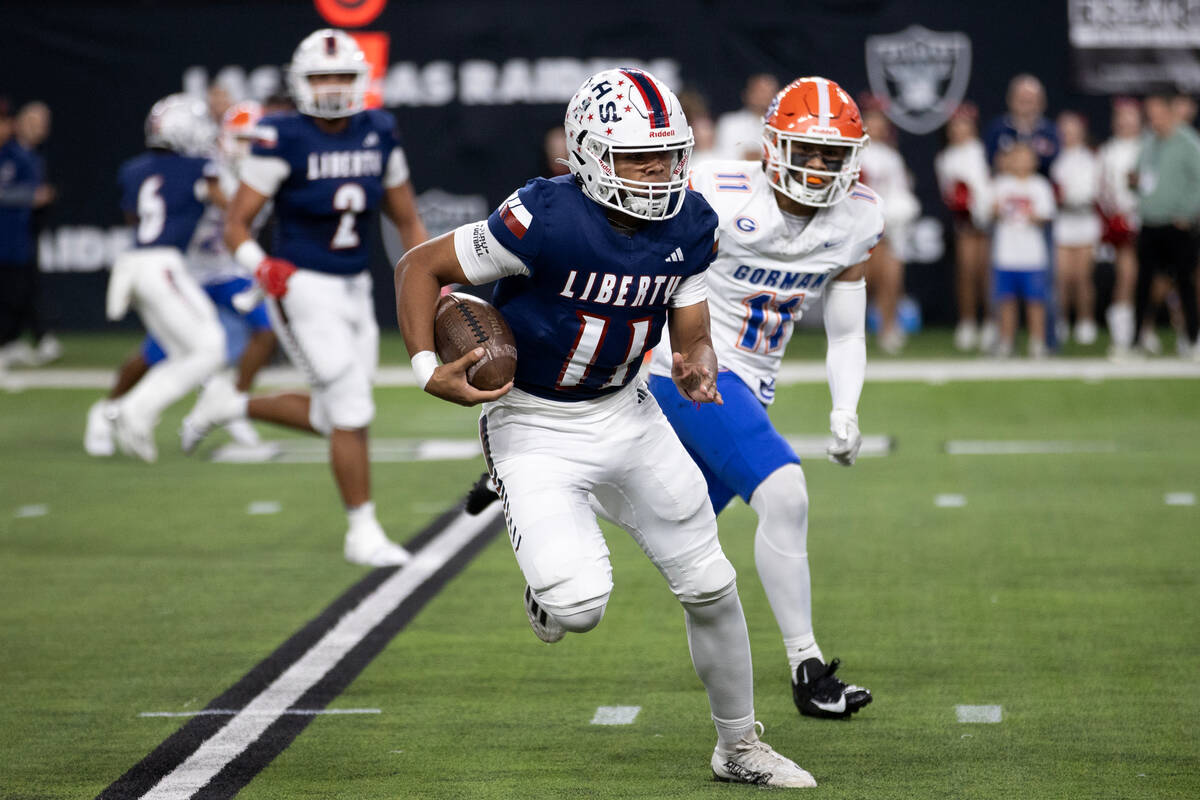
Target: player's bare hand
<point x="449" y="382"/>
<point x="695" y="381"/>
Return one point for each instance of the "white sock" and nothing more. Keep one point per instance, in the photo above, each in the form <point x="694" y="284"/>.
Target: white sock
<point x="361" y="515"/>
<point x="720" y="648"/>
<point x="1120" y="318"/>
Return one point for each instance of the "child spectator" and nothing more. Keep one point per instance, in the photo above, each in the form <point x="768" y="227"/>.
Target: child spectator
<point x="1076" y="175"/>
<point x="964" y="180"/>
<point x="1023" y="204"/>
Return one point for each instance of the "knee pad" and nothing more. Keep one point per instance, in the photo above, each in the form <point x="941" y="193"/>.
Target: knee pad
<point x="708" y="581"/>
<point x="345" y="402"/>
<point x="581" y="621"/>
<point x="781" y="502"/>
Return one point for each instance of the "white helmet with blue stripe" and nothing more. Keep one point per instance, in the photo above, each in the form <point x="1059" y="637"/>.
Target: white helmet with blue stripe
<point x="621" y="111"/>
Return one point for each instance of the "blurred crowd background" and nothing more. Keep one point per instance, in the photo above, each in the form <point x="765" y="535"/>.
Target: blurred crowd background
<point x="1050" y="146"/>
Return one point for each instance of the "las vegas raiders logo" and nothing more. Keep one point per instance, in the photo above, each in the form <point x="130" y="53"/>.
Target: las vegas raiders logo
<point x="922" y="73"/>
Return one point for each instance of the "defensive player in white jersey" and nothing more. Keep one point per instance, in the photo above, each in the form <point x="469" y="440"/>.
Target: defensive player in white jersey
<point x="591" y="267"/>
<point x="329" y="166"/>
<point x="794" y="229"/>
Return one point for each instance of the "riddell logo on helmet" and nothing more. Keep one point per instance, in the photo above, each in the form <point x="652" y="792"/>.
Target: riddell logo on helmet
<point x="656" y="134"/>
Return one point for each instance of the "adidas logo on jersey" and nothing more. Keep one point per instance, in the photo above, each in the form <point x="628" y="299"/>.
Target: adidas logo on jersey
<point x="372" y="140"/>
<point x="676" y="255"/>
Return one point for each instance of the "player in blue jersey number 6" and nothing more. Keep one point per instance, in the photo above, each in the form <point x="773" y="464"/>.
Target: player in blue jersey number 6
<point x="328" y="167"/>
<point x="591" y="267"/>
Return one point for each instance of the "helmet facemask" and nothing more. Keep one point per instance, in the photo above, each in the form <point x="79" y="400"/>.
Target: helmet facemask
<point x="787" y="156"/>
<point x="333" y="95"/>
<point x="650" y="200"/>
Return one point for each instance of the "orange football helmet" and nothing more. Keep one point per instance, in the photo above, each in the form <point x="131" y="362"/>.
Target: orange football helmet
<point x="238" y="128"/>
<point x="813" y="118"/>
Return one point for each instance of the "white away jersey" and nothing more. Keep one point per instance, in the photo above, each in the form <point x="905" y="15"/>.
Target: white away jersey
<point x="765" y="274"/>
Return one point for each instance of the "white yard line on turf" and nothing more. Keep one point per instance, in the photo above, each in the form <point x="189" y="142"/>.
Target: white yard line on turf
<point x="950" y="500"/>
<point x="249" y="723"/>
<point x="971" y="447"/>
<point x="229" y="712"/>
<point x="264" y="507"/>
<point x="794" y="372"/>
<point x="1179" y="499"/>
<point x="978" y="713"/>
<point x="615" y="715"/>
<point x="37" y="510"/>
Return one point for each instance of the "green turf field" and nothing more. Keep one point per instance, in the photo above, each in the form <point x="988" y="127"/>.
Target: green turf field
<point x="1065" y="590"/>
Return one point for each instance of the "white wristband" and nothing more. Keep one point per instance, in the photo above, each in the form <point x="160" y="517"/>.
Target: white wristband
<point x="249" y="254"/>
<point x="423" y="365"/>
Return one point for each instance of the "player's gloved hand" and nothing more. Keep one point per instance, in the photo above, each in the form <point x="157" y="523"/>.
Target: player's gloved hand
<point x="449" y="382"/>
<point x="272" y="275"/>
<point x="846" y="438"/>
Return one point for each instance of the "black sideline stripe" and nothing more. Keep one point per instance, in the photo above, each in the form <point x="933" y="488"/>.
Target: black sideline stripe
<point x="178" y="747"/>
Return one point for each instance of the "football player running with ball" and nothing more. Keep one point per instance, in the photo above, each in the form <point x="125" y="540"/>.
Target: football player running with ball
<point x="591" y="267"/>
<point x="327" y="166"/>
<point x="792" y="229"/>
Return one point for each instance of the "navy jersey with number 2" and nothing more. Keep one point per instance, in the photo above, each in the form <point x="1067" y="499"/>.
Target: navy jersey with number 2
<point x="595" y="299"/>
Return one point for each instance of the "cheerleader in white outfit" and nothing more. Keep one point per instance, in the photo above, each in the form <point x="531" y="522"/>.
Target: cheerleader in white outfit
<point x="1075" y="173"/>
<point x="965" y="184"/>
<point x="1118" y="202"/>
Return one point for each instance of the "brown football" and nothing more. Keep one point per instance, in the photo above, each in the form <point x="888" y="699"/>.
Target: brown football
<point x="464" y="322"/>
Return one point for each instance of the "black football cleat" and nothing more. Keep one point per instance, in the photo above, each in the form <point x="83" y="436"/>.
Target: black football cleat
<point x="481" y="495"/>
<point x="819" y="694"/>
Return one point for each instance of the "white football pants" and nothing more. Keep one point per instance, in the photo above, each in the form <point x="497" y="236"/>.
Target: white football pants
<point x="178" y="314"/>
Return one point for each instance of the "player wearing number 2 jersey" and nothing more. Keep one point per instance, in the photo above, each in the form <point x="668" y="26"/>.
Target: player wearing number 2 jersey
<point x="794" y="229"/>
<point x="329" y="167"/>
<point x="591" y="267"/>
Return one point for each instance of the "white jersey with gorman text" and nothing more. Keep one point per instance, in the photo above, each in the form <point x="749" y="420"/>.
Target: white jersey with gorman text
<point x="768" y="270"/>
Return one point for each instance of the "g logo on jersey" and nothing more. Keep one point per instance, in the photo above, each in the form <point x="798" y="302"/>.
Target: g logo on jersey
<point x="746" y="224"/>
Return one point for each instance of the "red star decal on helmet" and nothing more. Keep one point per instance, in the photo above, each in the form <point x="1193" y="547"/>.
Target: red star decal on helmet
<point x="608" y="132"/>
<point x="620" y="83"/>
<point x="629" y="108"/>
<point x="620" y="97"/>
<point x="590" y="117"/>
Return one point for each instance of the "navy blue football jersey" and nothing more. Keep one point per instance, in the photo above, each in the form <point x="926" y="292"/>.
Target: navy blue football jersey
<point x="326" y="205"/>
<point x="595" y="299"/>
<point x="166" y="192"/>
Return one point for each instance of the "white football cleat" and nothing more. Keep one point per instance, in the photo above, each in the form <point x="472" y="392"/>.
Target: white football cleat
<point x="544" y="625"/>
<point x="242" y="432"/>
<point x="134" y="437"/>
<point x="368" y="546"/>
<point x="753" y="761"/>
<point x="98" y="436"/>
<point x="218" y="404"/>
<point x="1086" y="332"/>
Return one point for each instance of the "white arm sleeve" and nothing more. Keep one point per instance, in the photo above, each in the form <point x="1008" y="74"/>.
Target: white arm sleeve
<point x="397" y="169"/>
<point x="482" y="257"/>
<point x="845" y="327"/>
<point x="264" y="174"/>
<point x="691" y="291"/>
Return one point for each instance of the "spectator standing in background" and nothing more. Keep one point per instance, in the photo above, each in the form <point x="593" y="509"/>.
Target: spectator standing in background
<point x="1024" y="203"/>
<point x="739" y="133"/>
<point x="554" y="152"/>
<point x="884" y="171"/>
<point x="1024" y="122"/>
<point x="1168" y="174"/>
<point x="21" y="191"/>
<point x="1076" y="177"/>
<point x="1117" y="203"/>
<point x="964" y="180"/>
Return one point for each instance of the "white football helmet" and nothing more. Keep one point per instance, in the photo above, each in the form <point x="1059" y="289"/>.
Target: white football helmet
<point x="329" y="52"/>
<point x="181" y="123"/>
<point x="628" y="111"/>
